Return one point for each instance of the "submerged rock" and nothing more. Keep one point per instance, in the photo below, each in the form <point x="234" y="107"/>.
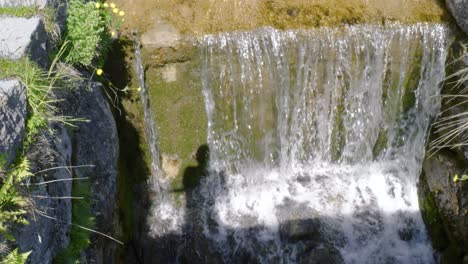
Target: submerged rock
<point x="12" y="118"/>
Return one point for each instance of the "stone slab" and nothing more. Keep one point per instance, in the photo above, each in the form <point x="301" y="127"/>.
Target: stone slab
<point x="12" y="117"/>
<point x="28" y="3"/>
<point x="20" y="37"/>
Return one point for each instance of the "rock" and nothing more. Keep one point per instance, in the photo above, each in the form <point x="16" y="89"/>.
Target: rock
<point x="298" y="222"/>
<point x="444" y="205"/>
<point x="162" y="35"/>
<point x="459" y="10"/>
<point x="321" y="255"/>
<point x="48" y="232"/>
<point x="12" y="118"/>
<point x="96" y="143"/>
<point x="21" y="37"/>
<point x="18" y="3"/>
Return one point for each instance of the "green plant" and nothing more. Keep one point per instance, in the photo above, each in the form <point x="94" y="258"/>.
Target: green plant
<point x="15" y="258"/>
<point x="458" y="178"/>
<point x="86" y="31"/>
<point x="81" y="216"/>
<point x="21" y="11"/>
<point x="452" y="125"/>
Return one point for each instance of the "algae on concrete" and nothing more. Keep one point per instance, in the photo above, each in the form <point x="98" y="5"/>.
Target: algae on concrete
<point x="199" y="17"/>
<point x="175" y="92"/>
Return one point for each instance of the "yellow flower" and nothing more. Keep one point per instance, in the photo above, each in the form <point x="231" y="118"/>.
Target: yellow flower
<point x="112" y="5"/>
<point x="106" y="5"/>
<point x="97" y="5"/>
<point x="123" y="19"/>
<point x="99" y="72"/>
<point x="115" y="10"/>
<point x="121" y="13"/>
<point x="455" y="179"/>
<point x="112" y="33"/>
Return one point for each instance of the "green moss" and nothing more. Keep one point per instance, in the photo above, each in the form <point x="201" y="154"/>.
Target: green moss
<point x="432" y="217"/>
<point x="81" y="215"/>
<point x="179" y="110"/>
<point x="412" y="79"/>
<point x="134" y="156"/>
<point x="381" y="143"/>
<point x="287" y="14"/>
<point x="338" y="138"/>
<point x="207" y="16"/>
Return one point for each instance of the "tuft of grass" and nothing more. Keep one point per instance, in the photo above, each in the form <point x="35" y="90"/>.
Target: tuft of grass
<point x="452" y="124"/>
<point x="21" y="11"/>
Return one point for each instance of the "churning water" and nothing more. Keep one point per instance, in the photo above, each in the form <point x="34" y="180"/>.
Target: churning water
<point x="316" y="142"/>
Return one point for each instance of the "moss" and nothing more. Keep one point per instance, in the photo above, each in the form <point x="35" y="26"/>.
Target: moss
<point x="381" y="143"/>
<point x="207" y="16"/>
<point x="412" y="79"/>
<point x="134" y="157"/>
<point x="432" y="216"/>
<point x="338" y="139"/>
<point x="179" y="109"/>
<point x="81" y="215"/>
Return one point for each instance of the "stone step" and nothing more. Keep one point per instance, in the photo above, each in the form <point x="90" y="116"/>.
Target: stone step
<point x="12" y="118"/>
<point x="28" y="3"/>
<point x="21" y="37"/>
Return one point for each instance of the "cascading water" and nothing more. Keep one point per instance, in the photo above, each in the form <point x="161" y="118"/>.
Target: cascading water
<point x="163" y="215"/>
<point x="316" y="141"/>
<point x="148" y="116"/>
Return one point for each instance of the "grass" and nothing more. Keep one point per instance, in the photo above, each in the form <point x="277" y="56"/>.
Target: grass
<point x="21" y="11"/>
<point x="81" y="215"/>
<point x="452" y="124"/>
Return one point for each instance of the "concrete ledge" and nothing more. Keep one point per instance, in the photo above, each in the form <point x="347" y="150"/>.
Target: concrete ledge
<point x="12" y="117"/>
<point x="21" y="37"/>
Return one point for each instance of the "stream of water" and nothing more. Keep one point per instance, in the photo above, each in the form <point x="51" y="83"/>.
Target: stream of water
<point x="316" y="143"/>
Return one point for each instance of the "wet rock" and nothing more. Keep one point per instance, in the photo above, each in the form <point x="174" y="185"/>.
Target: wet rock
<point x="321" y="255"/>
<point x="459" y="10"/>
<point x="444" y="205"/>
<point x="12" y="118"/>
<point x="298" y="222"/>
<point x="21" y="37"/>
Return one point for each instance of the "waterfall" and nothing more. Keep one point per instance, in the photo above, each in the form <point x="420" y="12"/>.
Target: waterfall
<point x="150" y="132"/>
<point x="163" y="215"/>
<point x="316" y="142"/>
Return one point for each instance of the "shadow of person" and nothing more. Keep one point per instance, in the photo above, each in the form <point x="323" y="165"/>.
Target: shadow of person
<point x="193" y="174"/>
<point x="196" y="248"/>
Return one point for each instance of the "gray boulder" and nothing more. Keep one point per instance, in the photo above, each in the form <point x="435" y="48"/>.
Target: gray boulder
<point x="96" y="143"/>
<point x="17" y="3"/>
<point x="12" y="118"/>
<point x="459" y="10"/>
<point x="49" y="226"/>
<point x="21" y="37"/>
